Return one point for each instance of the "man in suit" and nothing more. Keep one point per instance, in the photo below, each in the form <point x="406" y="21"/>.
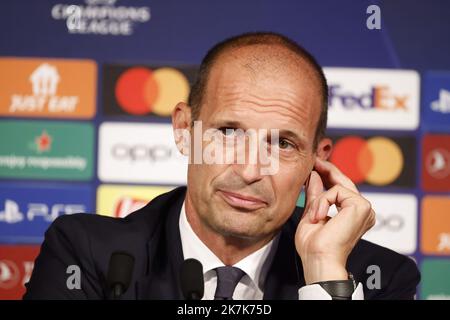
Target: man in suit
<point x="240" y="221"/>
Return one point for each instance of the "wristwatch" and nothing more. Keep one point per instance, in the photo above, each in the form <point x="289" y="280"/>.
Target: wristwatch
<point x="340" y="289"/>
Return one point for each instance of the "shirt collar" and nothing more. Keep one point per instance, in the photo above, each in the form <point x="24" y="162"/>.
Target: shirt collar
<point x="255" y="265"/>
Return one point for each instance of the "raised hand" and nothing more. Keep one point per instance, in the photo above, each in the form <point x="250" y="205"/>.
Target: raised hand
<point x="324" y="243"/>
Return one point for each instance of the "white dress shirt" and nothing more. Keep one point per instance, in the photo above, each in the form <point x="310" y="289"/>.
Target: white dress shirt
<point x="255" y="266"/>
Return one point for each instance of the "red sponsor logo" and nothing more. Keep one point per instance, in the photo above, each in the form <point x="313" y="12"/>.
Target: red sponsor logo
<point x="436" y="163"/>
<point x="127" y="205"/>
<point x="16" y="266"/>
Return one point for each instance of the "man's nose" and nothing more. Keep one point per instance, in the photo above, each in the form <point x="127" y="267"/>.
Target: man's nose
<point x="248" y="165"/>
<point x="250" y="173"/>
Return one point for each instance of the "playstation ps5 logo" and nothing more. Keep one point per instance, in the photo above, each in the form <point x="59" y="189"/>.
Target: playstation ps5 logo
<point x="12" y="214"/>
<point x="442" y="104"/>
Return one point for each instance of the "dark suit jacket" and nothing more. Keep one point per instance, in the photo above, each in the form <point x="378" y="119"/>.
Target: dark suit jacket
<point x="152" y="236"/>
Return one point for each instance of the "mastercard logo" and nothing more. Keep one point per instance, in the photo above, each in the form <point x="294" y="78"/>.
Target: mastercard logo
<point x="141" y="90"/>
<point x="377" y="160"/>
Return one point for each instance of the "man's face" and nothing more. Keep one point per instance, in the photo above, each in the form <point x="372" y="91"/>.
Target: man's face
<point x="243" y="93"/>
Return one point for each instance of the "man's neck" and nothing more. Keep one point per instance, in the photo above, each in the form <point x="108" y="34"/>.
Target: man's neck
<point x="230" y="250"/>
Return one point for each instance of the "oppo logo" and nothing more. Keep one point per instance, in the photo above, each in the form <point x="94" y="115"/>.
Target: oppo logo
<point x="393" y="222"/>
<point x="142" y="152"/>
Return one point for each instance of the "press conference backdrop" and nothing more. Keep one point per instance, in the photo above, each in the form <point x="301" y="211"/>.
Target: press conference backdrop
<point x="87" y="87"/>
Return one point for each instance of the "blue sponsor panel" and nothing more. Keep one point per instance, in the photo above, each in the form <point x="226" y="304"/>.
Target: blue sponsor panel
<point x="27" y="211"/>
<point x="436" y="101"/>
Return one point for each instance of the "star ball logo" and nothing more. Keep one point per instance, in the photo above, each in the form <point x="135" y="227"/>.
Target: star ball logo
<point x="101" y="17"/>
<point x="145" y="90"/>
<point x="376" y="160"/>
<point x="42" y="143"/>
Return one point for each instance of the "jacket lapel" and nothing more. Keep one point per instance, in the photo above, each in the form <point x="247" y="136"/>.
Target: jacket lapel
<point x="165" y="255"/>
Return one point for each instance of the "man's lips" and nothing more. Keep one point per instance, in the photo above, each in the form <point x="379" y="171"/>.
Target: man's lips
<point x="242" y="201"/>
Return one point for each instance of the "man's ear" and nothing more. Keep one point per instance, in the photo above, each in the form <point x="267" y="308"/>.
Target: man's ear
<point x="324" y="148"/>
<point x="181" y="124"/>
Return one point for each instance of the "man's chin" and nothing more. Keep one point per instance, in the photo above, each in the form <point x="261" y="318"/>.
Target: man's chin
<point x="237" y="222"/>
<point x="239" y="225"/>
<point x="248" y="235"/>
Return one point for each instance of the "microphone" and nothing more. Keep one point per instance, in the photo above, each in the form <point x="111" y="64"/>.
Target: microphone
<point x="192" y="283"/>
<point x="120" y="269"/>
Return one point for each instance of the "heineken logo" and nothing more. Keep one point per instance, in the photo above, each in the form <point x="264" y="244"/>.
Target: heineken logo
<point x="48" y="150"/>
<point x="43" y="142"/>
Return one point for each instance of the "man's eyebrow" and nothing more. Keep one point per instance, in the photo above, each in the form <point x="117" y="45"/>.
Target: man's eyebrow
<point x="228" y="123"/>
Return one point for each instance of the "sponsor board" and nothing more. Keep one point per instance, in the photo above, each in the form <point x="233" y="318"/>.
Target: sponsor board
<point x="51" y="88"/>
<point x="436" y="163"/>
<point x="46" y="150"/>
<point x="436" y="101"/>
<point x="396" y="221"/>
<point x="120" y="200"/>
<point x="140" y="153"/>
<point x="434" y="283"/>
<point x="145" y="90"/>
<point x="435" y="225"/>
<point x="396" y="225"/>
<point x="16" y="266"/>
<point x="376" y="160"/>
<point x="373" y="98"/>
<point x="27" y="211"/>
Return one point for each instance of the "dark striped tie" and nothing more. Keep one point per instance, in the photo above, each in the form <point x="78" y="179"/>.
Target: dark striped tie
<point x="227" y="279"/>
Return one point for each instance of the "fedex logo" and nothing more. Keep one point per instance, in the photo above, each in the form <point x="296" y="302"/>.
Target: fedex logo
<point x="12" y="214"/>
<point x="378" y="97"/>
<point x="387" y="99"/>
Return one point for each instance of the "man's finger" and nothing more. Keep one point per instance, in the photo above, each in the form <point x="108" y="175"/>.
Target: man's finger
<point x="314" y="187"/>
<point x="320" y="209"/>
<point x="343" y="197"/>
<point x="333" y="176"/>
<point x="338" y="195"/>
